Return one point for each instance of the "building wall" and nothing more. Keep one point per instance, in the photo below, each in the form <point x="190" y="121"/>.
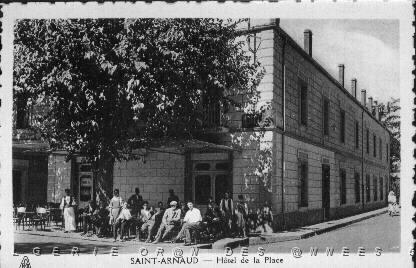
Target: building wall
<point x="154" y="176"/>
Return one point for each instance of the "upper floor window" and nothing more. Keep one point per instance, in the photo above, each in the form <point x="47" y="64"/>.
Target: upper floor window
<point x="380" y="149"/>
<point x="342" y="126"/>
<point x="374" y="146"/>
<point x="367" y="138"/>
<point x="357" y="135"/>
<point x="387" y="152"/>
<point x="326" y="116"/>
<point x="250" y="120"/>
<point x="303" y="101"/>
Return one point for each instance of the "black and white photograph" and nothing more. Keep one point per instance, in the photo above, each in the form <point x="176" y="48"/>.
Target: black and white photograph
<point x="206" y="140"/>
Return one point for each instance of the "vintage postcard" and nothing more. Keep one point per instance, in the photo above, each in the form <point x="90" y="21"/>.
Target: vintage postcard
<point x="207" y="134"/>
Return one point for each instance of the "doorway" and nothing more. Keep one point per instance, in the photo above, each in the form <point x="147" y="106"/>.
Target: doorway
<point x="17" y="187"/>
<point x="326" y="191"/>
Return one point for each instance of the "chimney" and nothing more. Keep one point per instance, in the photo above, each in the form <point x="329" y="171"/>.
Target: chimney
<point x="363" y="97"/>
<point x="341" y="69"/>
<point x="308" y="41"/>
<point x="376" y="110"/>
<point x="354" y="87"/>
<point x="370" y="104"/>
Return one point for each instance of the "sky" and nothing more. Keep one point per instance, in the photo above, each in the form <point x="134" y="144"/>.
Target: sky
<point x="369" y="49"/>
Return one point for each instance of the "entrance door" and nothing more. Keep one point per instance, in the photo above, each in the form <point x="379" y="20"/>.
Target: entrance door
<point x="326" y="190"/>
<point x="17" y="186"/>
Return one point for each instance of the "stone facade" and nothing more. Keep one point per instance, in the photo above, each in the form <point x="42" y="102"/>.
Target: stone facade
<point x="154" y="175"/>
<point x="288" y="68"/>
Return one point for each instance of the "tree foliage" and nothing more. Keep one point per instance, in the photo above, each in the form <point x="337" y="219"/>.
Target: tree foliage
<point x="390" y="117"/>
<point x="113" y="85"/>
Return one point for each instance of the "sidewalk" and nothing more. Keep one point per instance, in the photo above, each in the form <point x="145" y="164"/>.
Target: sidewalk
<point x="296" y="234"/>
<point x="54" y="231"/>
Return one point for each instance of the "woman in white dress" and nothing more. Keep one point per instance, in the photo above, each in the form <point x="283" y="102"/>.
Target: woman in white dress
<point x="115" y="207"/>
<point x="67" y="205"/>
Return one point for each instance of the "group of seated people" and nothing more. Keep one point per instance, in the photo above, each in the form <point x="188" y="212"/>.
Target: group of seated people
<point x="180" y="221"/>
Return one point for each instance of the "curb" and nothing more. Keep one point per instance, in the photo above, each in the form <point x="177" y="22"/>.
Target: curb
<point x="273" y="238"/>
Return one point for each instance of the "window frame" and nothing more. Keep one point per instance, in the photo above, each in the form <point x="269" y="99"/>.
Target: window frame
<point x="367" y="134"/>
<point x="374" y="145"/>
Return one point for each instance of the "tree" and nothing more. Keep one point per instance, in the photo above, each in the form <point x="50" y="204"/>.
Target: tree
<point x="114" y="85"/>
<point x="391" y="119"/>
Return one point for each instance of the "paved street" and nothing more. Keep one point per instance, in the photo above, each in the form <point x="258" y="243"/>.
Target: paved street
<point x="381" y="231"/>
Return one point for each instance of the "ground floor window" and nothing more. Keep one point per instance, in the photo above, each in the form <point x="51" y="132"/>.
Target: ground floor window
<point x="367" y="188"/>
<point x="343" y="186"/>
<point x="303" y="183"/>
<point x="375" y="188"/>
<point x="381" y="188"/>
<point x="357" y="187"/>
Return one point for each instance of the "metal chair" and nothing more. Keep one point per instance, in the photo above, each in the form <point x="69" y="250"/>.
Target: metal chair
<point x="20" y="217"/>
<point x="40" y="218"/>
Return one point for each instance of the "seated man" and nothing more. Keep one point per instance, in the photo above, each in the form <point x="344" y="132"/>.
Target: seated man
<point x="121" y="222"/>
<point x="191" y="222"/>
<point x="152" y="223"/>
<point x="213" y="219"/>
<point x="100" y="219"/>
<point x="171" y="219"/>
<point x="87" y="217"/>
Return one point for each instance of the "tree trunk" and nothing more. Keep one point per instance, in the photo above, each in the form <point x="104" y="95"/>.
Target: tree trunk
<point x="104" y="180"/>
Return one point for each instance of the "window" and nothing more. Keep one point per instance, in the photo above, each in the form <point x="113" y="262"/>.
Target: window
<point x="357" y="135"/>
<point x="387" y="152"/>
<point x="374" y="146"/>
<point x="367" y="138"/>
<point x="343" y="186"/>
<point x="380" y="149"/>
<point x="367" y="188"/>
<point x="250" y="120"/>
<point x="357" y="187"/>
<point x="375" y="188"/>
<point x="326" y="116"/>
<point x="303" y="183"/>
<point x="303" y="104"/>
<point x="381" y="188"/>
<point x="342" y="126"/>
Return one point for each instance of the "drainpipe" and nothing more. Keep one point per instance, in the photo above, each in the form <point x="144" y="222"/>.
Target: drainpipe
<point x="283" y="129"/>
